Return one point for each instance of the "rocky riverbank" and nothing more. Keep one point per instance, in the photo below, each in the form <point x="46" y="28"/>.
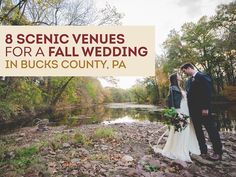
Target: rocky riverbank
<point x="103" y="150"/>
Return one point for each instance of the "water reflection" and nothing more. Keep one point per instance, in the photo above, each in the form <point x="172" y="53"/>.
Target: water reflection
<point x="128" y="113"/>
<point x="125" y="119"/>
<point x="225" y="115"/>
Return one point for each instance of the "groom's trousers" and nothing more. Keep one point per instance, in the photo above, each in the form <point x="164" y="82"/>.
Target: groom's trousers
<point x="211" y="128"/>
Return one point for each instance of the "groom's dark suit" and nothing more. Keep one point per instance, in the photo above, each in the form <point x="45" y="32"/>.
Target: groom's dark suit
<point x="199" y="98"/>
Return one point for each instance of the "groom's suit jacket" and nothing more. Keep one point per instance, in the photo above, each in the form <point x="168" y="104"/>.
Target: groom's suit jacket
<point x="199" y="92"/>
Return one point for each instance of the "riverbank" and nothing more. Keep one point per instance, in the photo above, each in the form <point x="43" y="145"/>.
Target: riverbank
<point x="102" y="150"/>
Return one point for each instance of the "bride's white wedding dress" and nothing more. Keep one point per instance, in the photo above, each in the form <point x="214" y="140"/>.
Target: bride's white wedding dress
<point x="180" y="144"/>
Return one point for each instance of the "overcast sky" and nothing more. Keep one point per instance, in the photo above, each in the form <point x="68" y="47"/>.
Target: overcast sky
<point x="165" y="15"/>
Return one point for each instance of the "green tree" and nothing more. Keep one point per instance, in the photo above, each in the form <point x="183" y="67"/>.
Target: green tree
<point x="23" y="94"/>
<point x="210" y="44"/>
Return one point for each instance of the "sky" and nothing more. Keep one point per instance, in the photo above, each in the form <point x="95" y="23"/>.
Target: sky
<point x="165" y="15"/>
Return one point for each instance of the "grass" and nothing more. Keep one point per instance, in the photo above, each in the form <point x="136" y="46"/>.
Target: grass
<point x="6" y="144"/>
<point x="25" y="160"/>
<point x="99" y="157"/>
<point x="104" y="133"/>
<point x="22" y="159"/>
<point x="150" y="168"/>
<point x="57" y="141"/>
<point x="61" y="137"/>
<point x="72" y="121"/>
<point x="81" y="139"/>
<point x="25" y="156"/>
<point x="3" y="147"/>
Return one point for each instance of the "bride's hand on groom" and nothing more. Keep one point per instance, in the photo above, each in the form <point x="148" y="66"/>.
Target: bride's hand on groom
<point x="205" y="112"/>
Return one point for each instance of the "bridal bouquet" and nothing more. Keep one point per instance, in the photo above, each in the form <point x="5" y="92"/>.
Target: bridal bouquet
<point x="178" y="120"/>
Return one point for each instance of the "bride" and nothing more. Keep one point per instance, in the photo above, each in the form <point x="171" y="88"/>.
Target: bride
<point x="180" y="144"/>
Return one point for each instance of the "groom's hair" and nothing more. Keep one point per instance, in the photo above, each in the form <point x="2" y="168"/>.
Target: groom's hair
<point x="186" y="66"/>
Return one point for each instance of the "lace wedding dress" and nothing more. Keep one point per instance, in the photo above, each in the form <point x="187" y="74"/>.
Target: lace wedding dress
<point x="180" y="144"/>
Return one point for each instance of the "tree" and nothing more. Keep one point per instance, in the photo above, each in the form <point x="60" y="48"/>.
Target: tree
<point x="151" y="86"/>
<point x="140" y="94"/>
<point x="51" y="91"/>
<point x="226" y="17"/>
<point x="225" y="25"/>
<point x="210" y="44"/>
<point x="62" y="12"/>
<point x="12" y="12"/>
<point x="57" y="12"/>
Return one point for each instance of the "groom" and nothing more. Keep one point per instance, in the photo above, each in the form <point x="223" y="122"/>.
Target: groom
<point x="199" y="102"/>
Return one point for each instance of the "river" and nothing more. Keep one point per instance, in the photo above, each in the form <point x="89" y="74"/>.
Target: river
<point x="224" y="114"/>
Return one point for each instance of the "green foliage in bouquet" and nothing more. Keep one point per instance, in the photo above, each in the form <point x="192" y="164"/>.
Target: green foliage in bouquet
<point x="173" y="118"/>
